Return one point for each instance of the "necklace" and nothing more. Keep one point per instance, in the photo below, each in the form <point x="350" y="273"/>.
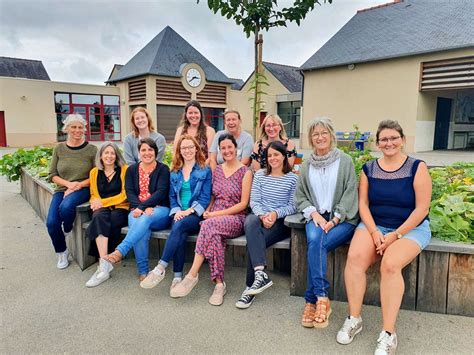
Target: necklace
<point x="109" y="177"/>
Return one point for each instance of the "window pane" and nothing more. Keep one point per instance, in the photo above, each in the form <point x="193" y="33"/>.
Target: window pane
<point x="214" y="117"/>
<point x="80" y="110"/>
<point x="61" y="98"/>
<point x="86" y="99"/>
<point x="111" y="110"/>
<point x="111" y="100"/>
<point x="62" y="108"/>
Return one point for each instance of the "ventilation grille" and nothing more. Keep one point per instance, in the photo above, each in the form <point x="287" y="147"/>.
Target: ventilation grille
<point x="137" y="90"/>
<point x="449" y="74"/>
<point x="214" y="94"/>
<point x="171" y="90"/>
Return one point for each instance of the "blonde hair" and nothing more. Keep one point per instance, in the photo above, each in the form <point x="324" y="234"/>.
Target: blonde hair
<point x="263" y="135"/>
<point x="325" y="122"/>
<point x="148" y="116"/>
<point x="73" y="118"/>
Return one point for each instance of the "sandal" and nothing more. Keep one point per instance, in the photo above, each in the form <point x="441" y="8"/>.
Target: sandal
<point x="115" y="257"/>
<point x="307" y="320"/>
<point x="323" y="311"/>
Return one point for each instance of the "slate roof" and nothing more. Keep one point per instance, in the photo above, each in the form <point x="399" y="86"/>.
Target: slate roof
<point x="23" y="68"/>
<point x="236" y="83"/>
<point x="164" y="55"/>
<point x="398" y="29"/>
<point x="289" y="76"/>
<point x="115" y="69"/>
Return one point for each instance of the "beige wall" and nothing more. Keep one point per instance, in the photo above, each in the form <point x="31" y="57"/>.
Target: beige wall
<point x="240" y="99"/>
<point x="30" y="111"/>
<point x="372" y="92"/>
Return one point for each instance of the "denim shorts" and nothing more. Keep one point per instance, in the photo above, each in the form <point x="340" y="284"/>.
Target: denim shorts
<point x="421" y="234"/>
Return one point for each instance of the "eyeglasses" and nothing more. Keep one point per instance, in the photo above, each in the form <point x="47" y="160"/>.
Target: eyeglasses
<point x="189" y="147"/>
<point x="322" y="134"/>
<point x="388" y="139"/>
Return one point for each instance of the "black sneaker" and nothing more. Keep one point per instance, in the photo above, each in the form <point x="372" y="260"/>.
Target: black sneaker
<point x="245" y="300"/>
<point x="260" y="284"/>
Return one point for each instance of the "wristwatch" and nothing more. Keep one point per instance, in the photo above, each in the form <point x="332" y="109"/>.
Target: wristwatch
<point x="192" y="210"/>
<point x="398" y="234"/>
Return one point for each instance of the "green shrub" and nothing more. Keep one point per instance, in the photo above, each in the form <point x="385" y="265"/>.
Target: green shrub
<point x="35" y="160"/>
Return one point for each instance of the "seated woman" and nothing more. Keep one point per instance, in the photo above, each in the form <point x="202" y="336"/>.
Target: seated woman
<point x="394" y="201"/>
<point x="110" y="208"/>
<point x="232" y="122"/>
<point x="326" y="194"/>
<point x="271" y="130"/>
<point x="147" y="187"/>
<point x="223" y="219"/>
<point x="69" y="170"/>
<point x="271" y="200"/>
<point x="190" y="194"/>
<point x="193" y="124"/>
<point x="142" y="127"/>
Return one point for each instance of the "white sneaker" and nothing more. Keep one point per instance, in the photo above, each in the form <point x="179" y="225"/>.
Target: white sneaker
<point x="102" y="273"/>
<point x="153" y="278"/>
<point x="386" y="344"/>
<point x="351" y="327"/>
<point x="63" y="261"/>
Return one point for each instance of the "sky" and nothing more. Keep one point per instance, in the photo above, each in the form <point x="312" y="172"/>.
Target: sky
<point x="81" y="40"/>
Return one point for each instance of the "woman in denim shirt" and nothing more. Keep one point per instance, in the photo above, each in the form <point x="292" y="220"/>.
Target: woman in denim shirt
<point x="190" y="194"/>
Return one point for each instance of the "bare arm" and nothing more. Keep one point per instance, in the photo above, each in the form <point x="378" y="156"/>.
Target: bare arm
<point x="255" y="164"/>
<point x="364" y="210"/>
<point x="213" y="161"/>
<point x="291" y="146"/>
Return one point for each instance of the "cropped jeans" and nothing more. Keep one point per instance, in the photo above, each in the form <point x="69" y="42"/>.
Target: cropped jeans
<point x="320" y="244"/>
<point x="139" y="232"/>
<point x="61" y="215"/>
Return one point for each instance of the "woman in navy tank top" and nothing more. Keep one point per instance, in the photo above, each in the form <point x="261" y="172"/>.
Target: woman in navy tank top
<point x="394" y="200"/>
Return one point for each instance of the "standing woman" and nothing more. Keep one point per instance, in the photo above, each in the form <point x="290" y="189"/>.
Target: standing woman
<point x="326" y="194"/>
<point x="394" y="201"/>
<point x="147" y="187"/>
<point x="271" y="200"/>
<point x="109" y="206"/>
<point x="271" y="130"/>
<point x="193" y="124"/>
<point x="190" y="194"/>
<point x="142" y="127"/>
<point x="69" y="170"/>
<point x="244" y="140"/>
<point x="223" y="219"/>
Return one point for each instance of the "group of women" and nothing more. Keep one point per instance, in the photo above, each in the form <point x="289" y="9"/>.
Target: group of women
<point x="208" y="192"/>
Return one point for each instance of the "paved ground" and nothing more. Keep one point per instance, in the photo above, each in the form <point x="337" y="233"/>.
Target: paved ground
<point x="46" y="310"/>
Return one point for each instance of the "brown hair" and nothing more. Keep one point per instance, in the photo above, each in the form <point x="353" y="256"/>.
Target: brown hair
<point x="178" y="160"/>
<point x="389" y="124"/>
<point x="201" y="133"/>
<point x="280" y="148"/>
<point x="232" y="111"/>
<point x="150" y="121"/>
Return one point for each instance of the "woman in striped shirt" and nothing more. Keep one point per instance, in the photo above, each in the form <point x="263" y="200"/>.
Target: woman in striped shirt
<point x="271" y="200"/>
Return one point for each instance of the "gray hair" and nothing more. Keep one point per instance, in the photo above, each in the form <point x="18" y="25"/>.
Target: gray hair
<point x="73" y="118"/>
<point x="325" y="122"/>
<point x="119" y="160"/>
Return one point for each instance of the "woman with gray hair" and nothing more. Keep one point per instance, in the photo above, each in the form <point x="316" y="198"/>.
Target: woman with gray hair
<point x="69" y="170"/>
<point x="326" y="194"/>
<point x="110" y="208"/>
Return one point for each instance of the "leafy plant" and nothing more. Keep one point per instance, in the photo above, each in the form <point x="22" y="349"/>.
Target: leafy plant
<point x="168" y="157"/>
<point x="452" y="202"/>
<point x="36" y="160"/>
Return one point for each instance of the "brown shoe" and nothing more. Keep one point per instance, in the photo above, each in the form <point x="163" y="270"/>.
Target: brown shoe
<point x="217" y="297"/>
<point x="183" y="288"/>
<point x="115" y="257"/>
<point x="323" y="311"/>
<point x="307" y="319"/>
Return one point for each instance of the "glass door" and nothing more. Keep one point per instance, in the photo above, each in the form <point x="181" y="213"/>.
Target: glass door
<point x="95" y="123"/>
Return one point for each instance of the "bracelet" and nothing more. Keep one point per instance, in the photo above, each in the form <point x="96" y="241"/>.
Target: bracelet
<point x="334" y="221"/>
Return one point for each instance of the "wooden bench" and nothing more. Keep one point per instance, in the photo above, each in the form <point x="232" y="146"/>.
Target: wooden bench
<point x="84" y="260"/>
<point x="439" y="280"/>
<point x="346" y="138"/>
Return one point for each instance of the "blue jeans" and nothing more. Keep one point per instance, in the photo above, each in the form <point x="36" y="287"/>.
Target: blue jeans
<point x="175" y="246"/>
<point x="139" y="232"/>
<point x="61" y="215"/>
<point x="319" y="245"/>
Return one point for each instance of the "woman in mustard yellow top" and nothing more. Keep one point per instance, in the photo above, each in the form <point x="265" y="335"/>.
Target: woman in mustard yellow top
<point x="109" y="205"/>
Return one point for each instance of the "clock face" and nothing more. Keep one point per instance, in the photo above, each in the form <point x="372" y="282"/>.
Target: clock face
<point x="193" y="77"/>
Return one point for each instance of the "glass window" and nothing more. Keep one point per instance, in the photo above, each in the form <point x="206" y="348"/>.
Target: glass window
<point x="214" y="117"/>
<point x="290" y="115"/>
<point x="61" y="98"/>
<point x="86" y="99"/>
<point x="111" y="100"/>
<point x="111" y="110"/>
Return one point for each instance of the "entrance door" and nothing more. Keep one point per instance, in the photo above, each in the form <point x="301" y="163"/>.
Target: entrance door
<point x="3" y="134"/>
<point x="443" y="117"/>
